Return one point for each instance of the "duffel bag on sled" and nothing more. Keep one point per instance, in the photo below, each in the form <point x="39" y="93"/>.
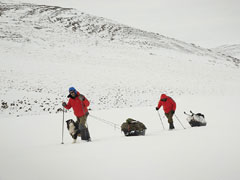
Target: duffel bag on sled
<point x="133" y="128"/>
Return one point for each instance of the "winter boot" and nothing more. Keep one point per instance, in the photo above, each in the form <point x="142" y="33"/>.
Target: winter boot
<point x="85" y="134"/>
<point x="171" y="126"/>
<point x="88" y="135"/>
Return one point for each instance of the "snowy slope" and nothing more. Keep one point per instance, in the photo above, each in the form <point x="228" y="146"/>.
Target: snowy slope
<point x="30" y="22"/>
<point x="46" y="49"/>
<point x="231" y="50"/>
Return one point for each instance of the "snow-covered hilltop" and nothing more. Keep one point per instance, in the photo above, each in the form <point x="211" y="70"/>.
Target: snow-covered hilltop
<point x="30" y="22"/>
<point x="46" y="49"/>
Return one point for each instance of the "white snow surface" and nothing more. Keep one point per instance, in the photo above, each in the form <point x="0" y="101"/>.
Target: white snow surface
<point x="31" y="145"/>
<point x="122" y="71"/>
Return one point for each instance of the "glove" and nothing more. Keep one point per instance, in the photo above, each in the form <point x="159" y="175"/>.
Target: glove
<point x="64" y="104"/>
<point x="157" y="108"/>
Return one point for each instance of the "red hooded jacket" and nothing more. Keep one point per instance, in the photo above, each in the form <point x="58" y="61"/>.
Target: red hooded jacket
<point x="168" y="105"/>
<point x="79" y="106"/>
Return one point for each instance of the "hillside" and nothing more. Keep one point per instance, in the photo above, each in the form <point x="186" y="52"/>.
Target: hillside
<point x="46" y="49"/>
<point x="30" y="22"/>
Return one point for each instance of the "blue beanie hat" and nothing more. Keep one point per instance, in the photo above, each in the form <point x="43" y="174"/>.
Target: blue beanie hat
<point x="73" y="89"/>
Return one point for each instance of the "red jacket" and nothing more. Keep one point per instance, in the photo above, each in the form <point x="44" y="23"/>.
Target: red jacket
<point x="168" y="105"/>
<point x="79" y="106"/>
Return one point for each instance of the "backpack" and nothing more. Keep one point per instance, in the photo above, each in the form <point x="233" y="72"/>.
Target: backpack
<point x="133" y="128"/>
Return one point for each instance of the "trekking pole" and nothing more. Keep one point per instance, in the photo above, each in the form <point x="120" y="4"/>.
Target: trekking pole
<point x="160" y="119"/>
<point x="63" y="126"/>
<point x="179" y="121"/>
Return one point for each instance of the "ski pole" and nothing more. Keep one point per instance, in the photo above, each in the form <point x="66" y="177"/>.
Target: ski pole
<point x="179" y="121"/>
<point x="160" y="119"/>
<point x="63" y="126"/>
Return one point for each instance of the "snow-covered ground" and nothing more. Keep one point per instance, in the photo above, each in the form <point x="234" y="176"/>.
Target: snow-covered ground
<point x="122" y="71"/>
<point x="31" y="145"/>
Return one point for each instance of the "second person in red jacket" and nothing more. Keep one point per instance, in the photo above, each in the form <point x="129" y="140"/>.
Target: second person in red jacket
<point x="169" y="107"/>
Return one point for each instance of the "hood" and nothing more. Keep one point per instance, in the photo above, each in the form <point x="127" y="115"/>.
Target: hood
<point x="163" y="96"/>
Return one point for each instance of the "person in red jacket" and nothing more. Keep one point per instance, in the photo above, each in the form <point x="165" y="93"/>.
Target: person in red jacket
<point x="79" y="103"/>
<point x="169" y="107"/>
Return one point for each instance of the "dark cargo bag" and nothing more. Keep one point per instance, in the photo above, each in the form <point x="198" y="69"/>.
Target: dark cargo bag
<point x="133" y="128"/>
